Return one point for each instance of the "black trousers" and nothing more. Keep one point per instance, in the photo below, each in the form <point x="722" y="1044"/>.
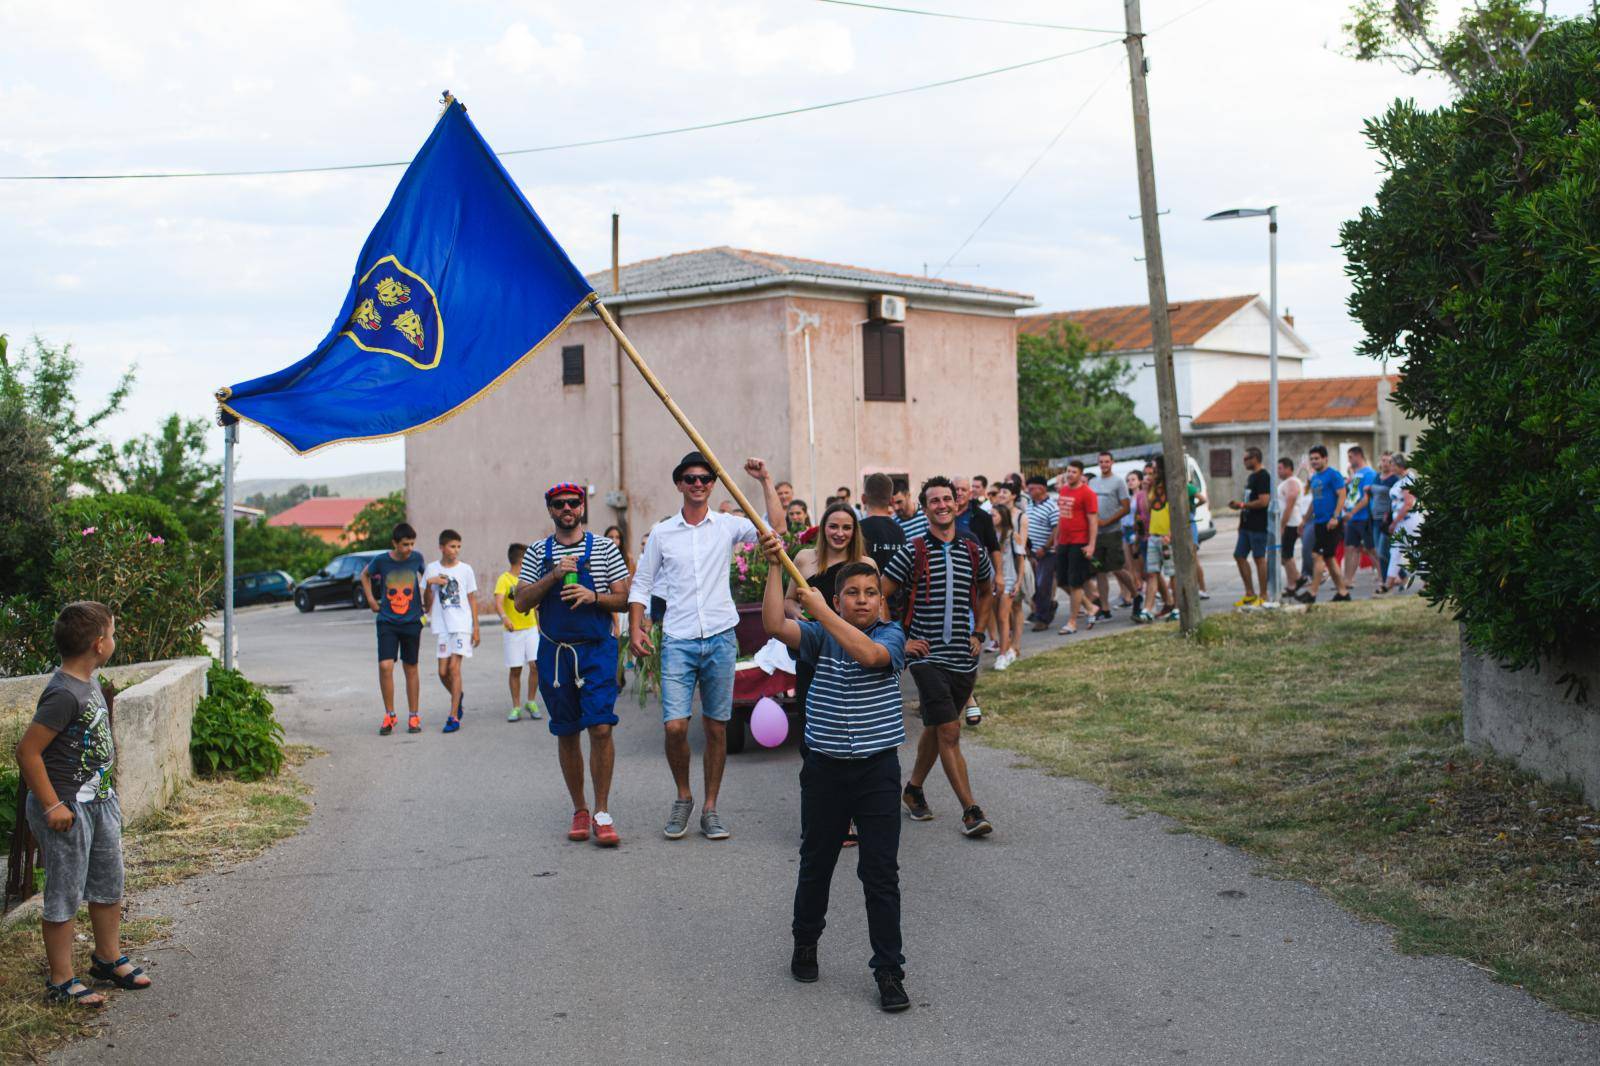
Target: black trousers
<point x="832" y="793"/>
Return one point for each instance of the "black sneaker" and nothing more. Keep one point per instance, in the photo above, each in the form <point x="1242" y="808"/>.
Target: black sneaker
<point x="1138" y="603"/>
<point x="1102" y="616"/>
<point x="1300" y="583"/>
<point x="1343" y="597"/>
<point x="916" y="804"/>
<point x="1306" y="597"/>
<point x="804" y="963"/>
<point x="973" y="823"/>
<point x="891" y="991"/>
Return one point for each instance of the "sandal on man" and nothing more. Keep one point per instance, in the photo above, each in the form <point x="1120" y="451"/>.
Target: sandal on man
<point x="73" y="992"/>
<point x="107" y="971"/>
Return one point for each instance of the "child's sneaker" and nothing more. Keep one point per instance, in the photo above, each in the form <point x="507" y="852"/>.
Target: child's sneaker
<point x="387" y="727"/>
<point x="451" y="725"/>
<point x="533" y="710"/>
<point x="514" y="715"/>
<point x="414" y="725"/>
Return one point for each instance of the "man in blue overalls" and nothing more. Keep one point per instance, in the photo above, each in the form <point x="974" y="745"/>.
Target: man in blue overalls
<point x="577" y="649"/>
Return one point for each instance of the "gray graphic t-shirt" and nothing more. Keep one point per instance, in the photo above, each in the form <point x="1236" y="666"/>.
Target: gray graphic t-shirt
<point x="79" y="760"/>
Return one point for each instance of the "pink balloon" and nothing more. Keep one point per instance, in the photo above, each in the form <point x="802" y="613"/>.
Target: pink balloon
<point x="768" y="724"/>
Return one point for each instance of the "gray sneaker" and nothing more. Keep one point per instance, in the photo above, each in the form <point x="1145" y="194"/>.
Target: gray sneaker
<point x="711" y="826"/>
<point x="678" y="821"/>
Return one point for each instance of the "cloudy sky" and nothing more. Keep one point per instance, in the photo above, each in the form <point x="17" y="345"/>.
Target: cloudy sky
<point x="204" y="282"/>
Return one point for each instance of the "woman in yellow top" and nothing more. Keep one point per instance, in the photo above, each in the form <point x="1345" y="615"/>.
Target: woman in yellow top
<point x="1158" y="571"/>
<point x="519" y="634"/>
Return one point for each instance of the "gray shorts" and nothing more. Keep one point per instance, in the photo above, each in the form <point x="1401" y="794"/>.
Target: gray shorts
<point x="85" y="862"/>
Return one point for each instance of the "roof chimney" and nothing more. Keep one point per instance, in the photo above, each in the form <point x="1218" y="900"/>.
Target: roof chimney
<point x="1288" y="319"/>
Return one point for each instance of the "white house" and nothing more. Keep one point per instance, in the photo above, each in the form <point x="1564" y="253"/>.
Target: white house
<point x="1215" y="345"/>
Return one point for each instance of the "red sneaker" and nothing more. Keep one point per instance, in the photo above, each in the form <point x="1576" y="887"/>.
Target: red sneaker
<point x="387" y="727"/>
<point x="606" y="835"/>
<point x="414" y="725"/>
<point x="580" y="826"/>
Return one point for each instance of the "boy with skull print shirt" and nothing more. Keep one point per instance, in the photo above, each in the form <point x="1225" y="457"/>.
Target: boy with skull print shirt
<point x="393" y="586"/>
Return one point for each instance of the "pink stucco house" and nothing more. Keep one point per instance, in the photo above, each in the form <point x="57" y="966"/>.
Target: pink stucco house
<point x="907" y="375"/>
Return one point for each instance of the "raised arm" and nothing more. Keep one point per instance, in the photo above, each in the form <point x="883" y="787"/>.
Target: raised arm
<point x="757" y="468"/>
<point x="774" y="618"/>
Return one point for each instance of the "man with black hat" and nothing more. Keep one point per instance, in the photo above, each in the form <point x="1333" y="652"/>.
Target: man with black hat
<point x="577" y="650"/>
<point x="686" y="561"/>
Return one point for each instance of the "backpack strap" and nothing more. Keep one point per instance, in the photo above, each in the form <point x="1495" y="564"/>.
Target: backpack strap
<point x="919" y="575"/>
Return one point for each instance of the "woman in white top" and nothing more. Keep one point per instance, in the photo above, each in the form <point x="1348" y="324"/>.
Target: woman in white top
<point x="1011" y="526"/>
<point x="1405" y="521"/>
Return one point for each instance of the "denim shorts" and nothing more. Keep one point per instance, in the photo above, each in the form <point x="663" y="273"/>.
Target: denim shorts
<point x="1251" y="542"/>
<point x="1358" y="534"/>
<point x="85" y="862"/>
<point x="708" y="662"/>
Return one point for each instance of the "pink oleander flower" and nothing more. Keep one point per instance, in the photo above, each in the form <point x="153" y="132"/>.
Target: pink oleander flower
<point x="88" y="530"/>
<point x="157" y="540"/>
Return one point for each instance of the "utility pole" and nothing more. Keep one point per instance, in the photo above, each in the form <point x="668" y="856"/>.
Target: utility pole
<point x="1177" y="470"/>
<point x="618" y="496"/>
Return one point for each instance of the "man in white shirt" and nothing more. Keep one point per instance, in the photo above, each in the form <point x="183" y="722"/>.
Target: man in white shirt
<point x="686" y="562"/>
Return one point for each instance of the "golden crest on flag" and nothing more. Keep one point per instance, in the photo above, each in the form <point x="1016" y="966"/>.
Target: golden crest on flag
<point x="391" y="292"/>
<point x="416" y="334"/>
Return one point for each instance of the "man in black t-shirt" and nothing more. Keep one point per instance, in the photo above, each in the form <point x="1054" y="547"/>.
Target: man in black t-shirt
<point x="882" y="534"/>
<point x="1253" y="526"/>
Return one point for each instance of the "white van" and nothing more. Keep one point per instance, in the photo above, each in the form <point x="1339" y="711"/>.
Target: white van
<point x="1120" y="468"/>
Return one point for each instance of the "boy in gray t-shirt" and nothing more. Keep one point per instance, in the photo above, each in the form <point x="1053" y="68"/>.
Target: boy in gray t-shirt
<point x="65" y="759"/>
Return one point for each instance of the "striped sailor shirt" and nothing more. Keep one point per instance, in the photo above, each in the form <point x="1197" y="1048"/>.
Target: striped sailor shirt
<point x="852" y="712"/>
<point x="915" y="526"/>
<point x="1042" y="518"/>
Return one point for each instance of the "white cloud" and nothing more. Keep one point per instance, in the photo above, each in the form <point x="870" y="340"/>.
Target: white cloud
<point x="520" y="51"/>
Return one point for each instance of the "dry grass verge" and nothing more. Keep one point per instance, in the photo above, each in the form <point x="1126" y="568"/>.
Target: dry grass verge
<point x="212" y="823"/>
<point x="1328" y="745"/>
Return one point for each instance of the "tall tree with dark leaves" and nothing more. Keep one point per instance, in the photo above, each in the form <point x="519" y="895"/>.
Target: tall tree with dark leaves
<point x="1070" y="400"/>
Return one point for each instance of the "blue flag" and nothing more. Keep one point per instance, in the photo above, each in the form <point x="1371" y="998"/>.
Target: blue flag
<point x="457" y="285"/>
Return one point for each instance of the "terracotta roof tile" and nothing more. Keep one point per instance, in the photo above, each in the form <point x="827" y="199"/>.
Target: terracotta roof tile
<point x="1299" y="400"/>
<point x="335" y="512"/>
<point x="1123" y="329"/>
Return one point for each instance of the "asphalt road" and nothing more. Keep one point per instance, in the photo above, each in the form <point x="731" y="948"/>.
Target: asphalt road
<point x="433" y="911"/>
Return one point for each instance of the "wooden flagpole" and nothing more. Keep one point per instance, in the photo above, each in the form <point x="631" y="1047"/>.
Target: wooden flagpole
<point x="694" y="434"/>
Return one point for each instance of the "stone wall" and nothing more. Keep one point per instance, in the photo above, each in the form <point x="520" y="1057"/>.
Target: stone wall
<point x="153" y="712"/>
<point x="1528" y="718"/>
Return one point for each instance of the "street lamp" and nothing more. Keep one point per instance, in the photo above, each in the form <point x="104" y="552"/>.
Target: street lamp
<point x="1273" y="547"/>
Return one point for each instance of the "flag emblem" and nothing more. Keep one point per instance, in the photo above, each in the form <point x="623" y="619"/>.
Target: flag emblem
<point x="415" y="334"/>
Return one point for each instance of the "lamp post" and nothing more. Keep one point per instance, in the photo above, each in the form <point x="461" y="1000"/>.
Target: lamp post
<point x="1273" y="548"/>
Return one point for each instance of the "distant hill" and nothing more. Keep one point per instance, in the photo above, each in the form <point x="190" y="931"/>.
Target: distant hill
<point x="372" y="484"/>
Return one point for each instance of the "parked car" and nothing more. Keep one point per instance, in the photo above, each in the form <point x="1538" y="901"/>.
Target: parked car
<point x="338" y="582"/>
<point x="262" y="586"/>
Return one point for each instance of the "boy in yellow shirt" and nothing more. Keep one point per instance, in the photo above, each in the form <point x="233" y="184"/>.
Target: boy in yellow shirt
<point x="519" y="634"/>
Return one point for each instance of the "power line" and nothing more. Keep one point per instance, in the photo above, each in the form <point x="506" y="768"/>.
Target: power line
<point x="1059" y="134"/>
<point x="1030" y="167"/>
<point x="971" y="18"/>
<point x="573" y="144"/>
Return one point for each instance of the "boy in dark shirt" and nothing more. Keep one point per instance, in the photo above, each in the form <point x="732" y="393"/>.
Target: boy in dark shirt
<point x="65" y="758"/>
<point x="393" y="586"/>
<point x="852" y="770"/>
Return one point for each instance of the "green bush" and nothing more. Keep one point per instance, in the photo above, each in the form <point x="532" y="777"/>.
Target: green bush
<point x="258" y="546"/>
<point x="107" y="508"/>
<point x="234" y="729"/>
<point x="26" y="494"/>
<point x="1477" y="271"/>
<point x="373" y="525"/>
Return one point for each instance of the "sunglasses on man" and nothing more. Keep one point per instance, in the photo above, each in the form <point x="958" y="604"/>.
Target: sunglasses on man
<point x="565" y="503"/>
<point x="697" y="479"/>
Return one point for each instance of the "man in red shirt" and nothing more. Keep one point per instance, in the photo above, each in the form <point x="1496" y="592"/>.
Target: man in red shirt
<point x="1076" y="531"/>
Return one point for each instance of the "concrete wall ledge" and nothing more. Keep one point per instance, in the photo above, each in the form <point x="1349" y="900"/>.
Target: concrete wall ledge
<point x="1527" y="717"/>
<point x="154" y="712"/>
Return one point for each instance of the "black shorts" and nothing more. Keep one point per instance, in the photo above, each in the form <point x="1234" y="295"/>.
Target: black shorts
<point x="399" y="640"/>
<point x="1291" y="535"/>
<point x="1328" y="540"/>
<point x="942" y="692"/>
<point x="1073" y="568"/>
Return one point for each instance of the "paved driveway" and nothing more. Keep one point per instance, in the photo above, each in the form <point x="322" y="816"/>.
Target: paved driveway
<point x="434" y="912"/>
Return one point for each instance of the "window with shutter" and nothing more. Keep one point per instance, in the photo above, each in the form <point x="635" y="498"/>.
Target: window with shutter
<point x="883" y="357"/>
<point x="572" y="364"/>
